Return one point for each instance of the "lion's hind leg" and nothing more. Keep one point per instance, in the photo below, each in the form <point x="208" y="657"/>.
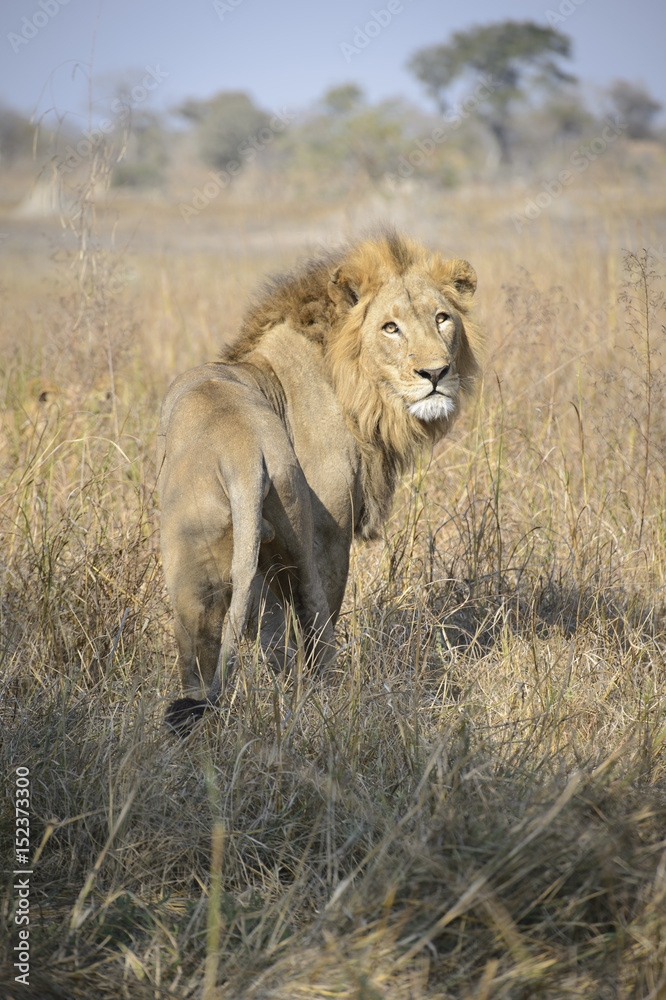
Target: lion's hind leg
<point x="201" y="592"/>
<point x="246" y="498"/>
<point x="212" y="529"/>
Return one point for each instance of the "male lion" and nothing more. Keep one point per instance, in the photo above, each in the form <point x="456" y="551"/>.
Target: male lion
<point x="275" y="457"/>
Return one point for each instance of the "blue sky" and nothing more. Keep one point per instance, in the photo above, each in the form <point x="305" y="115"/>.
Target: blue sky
<point x="285" y="54"/>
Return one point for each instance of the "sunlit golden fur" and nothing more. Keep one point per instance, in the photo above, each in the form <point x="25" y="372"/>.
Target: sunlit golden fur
<point x="387" y="433"/>
<point x="277" y="455"/>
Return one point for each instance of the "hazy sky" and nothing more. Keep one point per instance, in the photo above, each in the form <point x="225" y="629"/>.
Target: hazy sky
<point x="287" y="53"/>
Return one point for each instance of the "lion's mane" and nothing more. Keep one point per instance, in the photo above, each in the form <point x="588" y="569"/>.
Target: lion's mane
<point x="386" y="432"/>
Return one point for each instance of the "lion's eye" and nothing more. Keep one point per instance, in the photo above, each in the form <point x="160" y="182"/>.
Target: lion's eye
<point x="442" y="318"/>
<point x="390" y="327"/>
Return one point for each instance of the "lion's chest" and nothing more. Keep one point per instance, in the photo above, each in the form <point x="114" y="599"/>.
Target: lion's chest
<point x="329" y="458"/>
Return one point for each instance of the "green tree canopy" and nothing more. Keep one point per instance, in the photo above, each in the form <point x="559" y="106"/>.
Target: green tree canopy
<point x="343" y="99"/>
<point x="511" y="57"/>
<point x="635" y="106"/>
<point x="223" y="124"/>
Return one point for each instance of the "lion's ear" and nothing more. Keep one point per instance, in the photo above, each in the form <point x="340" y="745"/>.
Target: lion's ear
<point x="464" y="276"/>
<point x="341" y="290"/>
<point x="458" y="273"/>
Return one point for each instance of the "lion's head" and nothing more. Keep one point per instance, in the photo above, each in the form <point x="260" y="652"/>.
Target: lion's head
<point x="394" y="323"/>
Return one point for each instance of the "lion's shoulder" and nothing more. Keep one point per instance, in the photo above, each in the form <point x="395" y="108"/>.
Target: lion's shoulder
<point x="298" y="298"/>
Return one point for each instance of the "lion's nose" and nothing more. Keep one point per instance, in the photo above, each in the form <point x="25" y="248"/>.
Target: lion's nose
<point x="434" y="374"/>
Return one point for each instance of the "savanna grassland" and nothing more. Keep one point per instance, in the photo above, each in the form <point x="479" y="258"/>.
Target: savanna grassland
<point x="473" y="802"/>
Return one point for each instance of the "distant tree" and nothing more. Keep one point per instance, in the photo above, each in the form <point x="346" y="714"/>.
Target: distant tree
<point x="374" y="138"/>
<point x="512" y="56"/>
<point x="569" y="117"/>
<point x="224" y="124"/>
<point x="16" y="136"/>
<point x="362" y="139"/>
<point x="146" y="154"/>
<point x="634" y="105"/>
<point x="192" y="110"/>
<point x="343" y="99"/>
<point x="344" y="142"/>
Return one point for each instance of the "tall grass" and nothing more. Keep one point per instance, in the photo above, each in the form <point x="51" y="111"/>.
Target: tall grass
<point x="473" y="802"/>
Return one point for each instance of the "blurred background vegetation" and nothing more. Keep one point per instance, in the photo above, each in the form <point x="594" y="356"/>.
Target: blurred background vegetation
<point x="503" y="106"/>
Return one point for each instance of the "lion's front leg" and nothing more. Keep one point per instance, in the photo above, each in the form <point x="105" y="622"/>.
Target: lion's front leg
<point x="288" y="565"/>
<point x="294" y="613"/>
<point x="270" y="623"/>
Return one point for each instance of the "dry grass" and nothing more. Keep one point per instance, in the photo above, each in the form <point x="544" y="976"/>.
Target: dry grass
<point x="474" y="803"/>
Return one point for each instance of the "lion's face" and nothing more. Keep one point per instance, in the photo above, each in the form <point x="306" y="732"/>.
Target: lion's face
<point x="411" y="338"/>
<point x="402" y="354"/>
